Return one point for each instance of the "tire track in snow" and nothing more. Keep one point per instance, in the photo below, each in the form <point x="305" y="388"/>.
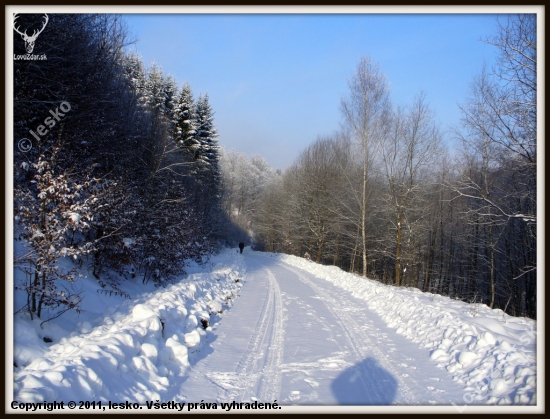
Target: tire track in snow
<point x="272" y="374"/>
<point x="248" y="362"/>
<point x="264" y="380"/>
<point x="360" y="342"/>
<point x="239" y="385"/>
<point x="345" y="325"/>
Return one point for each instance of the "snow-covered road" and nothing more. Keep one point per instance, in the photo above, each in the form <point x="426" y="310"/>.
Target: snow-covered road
<point x="281" y="329"/>
<point x="298" y="339"/>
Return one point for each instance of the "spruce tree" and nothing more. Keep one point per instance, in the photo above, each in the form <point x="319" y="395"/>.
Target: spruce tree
<point x="206" y="135"/>
<point x="185" y="128"/>
<point x="207" y="159"/>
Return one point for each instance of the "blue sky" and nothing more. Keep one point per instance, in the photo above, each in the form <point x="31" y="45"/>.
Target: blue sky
<point x="275" y="81"/>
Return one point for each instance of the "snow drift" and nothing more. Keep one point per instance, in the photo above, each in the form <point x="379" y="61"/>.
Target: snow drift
<point x="133" y="350"/>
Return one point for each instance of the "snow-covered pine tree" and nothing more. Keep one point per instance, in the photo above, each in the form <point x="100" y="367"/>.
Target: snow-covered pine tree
<point x="134" y="71"/>
<point x="170" y="91"/>
<point x="157" y="144"/>
<point x="161" y="92"/>
<point x="206" y="133"/>
<point x="185" y="128"/>
<point x="207" y="159"/>
<point x="154" y="86"/>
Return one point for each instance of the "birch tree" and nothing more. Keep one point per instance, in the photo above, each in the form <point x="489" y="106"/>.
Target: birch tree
<point x="408" y="151"/>
<point x="366" y="111"/>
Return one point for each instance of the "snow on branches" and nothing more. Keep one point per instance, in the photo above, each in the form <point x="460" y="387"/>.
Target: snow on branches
<point x="52" y="215"/>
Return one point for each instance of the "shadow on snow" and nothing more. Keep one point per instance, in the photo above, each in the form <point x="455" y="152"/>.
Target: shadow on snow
<point x="365" y="383"/>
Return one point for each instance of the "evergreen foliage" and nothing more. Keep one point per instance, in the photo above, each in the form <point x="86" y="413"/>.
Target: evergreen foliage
<point x="107" y="184"/>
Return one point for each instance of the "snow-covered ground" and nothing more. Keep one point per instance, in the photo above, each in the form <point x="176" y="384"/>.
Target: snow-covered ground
<point x="491" y="354"/>
<point x="298" y="334"/>
<point x="124" y="347"/>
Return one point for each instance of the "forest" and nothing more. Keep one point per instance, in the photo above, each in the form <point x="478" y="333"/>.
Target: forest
<point x="386" y="198"/>
<point x="125" y="176"/>
<point x="126" y="181"/>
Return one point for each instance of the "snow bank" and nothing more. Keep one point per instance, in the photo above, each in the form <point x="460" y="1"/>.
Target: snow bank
<point x="134" y="350"/>
<point x="491" y="353"/>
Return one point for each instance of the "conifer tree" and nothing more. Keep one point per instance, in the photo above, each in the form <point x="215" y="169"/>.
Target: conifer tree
<point x="207" y="159"/>
<point x="185" y="127"/>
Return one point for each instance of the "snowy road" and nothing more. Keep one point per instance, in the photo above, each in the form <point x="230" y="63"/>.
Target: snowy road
<point x="298" y="339"/>
<point x="298" y="333"/>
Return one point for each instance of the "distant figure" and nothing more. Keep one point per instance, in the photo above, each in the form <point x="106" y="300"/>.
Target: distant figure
<point x="241" y="246"/>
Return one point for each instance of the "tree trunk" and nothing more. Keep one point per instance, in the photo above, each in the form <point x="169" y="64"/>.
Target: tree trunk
<point x="492" y="256"/>
<point x="336" y="255"/>
<point x="398" y="252"/>
<point x="364" y="214"/>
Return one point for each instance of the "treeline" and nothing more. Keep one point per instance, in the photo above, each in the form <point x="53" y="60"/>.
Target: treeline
<point x="115" y="165"/>
<point x="244" y="181"/>
<point x="384" y="198"/>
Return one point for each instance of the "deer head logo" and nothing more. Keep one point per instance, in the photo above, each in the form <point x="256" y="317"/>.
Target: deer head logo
<point x="29" y="40"/>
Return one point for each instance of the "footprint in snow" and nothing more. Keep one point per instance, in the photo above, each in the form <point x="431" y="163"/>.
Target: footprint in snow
<point x="311" y="382"/>
<point x="294" y="396"/>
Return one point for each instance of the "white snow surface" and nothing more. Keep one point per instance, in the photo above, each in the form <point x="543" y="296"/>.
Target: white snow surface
<point x="299" y="333"/>
<point x="492" y="354"/>
<point x="133" y="350"/>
